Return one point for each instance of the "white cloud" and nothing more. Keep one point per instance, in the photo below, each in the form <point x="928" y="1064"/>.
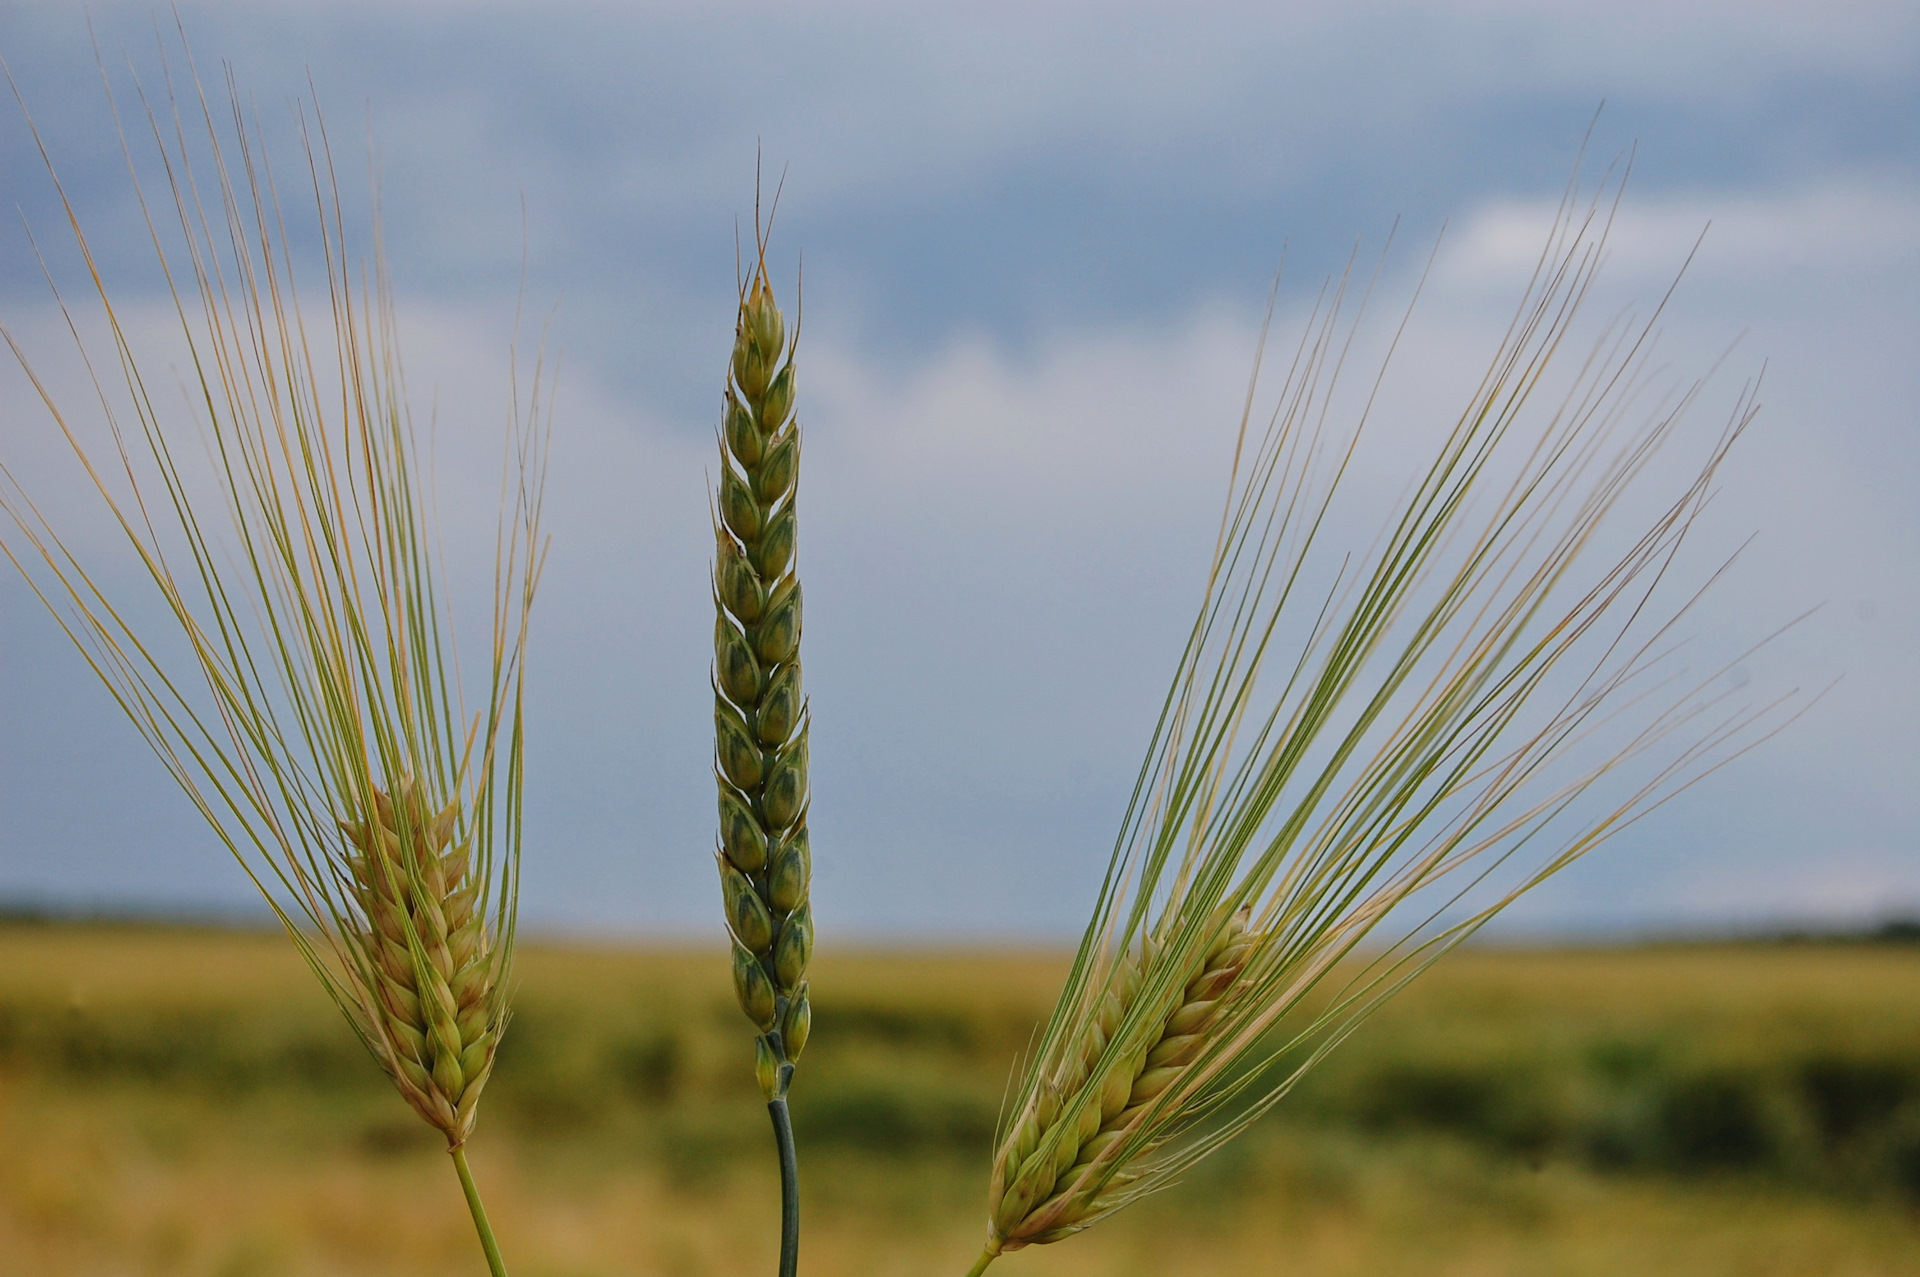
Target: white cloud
<point x="1841" y="228"/>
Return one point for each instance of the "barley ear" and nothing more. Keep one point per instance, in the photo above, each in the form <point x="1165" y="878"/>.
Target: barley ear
<point x="1054" y="1163"/>
<point x="1452" y="701"/>
<point x="313" y="712"/>
<point x="437" y="1016"/>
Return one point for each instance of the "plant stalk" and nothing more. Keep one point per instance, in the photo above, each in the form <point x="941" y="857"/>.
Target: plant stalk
<point x="480" y="1223"/>
<point x="987" y="1256"/>
<point x="789" y="1187"/>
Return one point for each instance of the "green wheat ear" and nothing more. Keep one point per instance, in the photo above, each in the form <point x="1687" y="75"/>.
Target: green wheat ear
<point x="1435" y="711"/>
<point x="760" y="713"/>
<point x="319" y="724"/>
<point x="759" y="709"/>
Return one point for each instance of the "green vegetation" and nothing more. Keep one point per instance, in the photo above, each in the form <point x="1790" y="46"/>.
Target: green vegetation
<point x="185" y="1102"/>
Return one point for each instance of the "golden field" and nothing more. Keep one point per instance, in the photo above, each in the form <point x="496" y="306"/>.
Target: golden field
<point x="177" y="1101"/>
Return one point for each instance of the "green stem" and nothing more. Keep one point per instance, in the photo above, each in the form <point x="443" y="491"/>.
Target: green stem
<point x="789" y="1185"/>
<point x="480" y="1224"/>
<point x="987" y="1256"/>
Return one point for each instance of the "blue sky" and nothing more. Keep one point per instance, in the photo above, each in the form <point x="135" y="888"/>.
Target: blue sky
<point x="1036" y="240"/>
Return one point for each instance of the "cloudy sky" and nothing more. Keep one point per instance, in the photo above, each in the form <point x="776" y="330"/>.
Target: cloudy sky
<point x="1037" y="242"/>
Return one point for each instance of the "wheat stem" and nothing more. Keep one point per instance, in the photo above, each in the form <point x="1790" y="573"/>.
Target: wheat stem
<point x="987" y="1256"/>
<point x="481" y="1224"/>
<point x="789" y="1186"/>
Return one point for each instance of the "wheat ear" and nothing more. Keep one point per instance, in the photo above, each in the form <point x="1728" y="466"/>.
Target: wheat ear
<point x="1457" y="690"/>
<point x="760" y="714"/>
<point x="759" y="710"/>
<point x="319" y="725"/>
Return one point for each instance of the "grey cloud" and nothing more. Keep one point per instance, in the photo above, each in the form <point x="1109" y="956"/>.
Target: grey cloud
<point x="1036" y="242"/>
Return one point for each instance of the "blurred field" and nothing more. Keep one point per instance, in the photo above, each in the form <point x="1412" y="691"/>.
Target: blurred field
<point x="186" y="1102"/>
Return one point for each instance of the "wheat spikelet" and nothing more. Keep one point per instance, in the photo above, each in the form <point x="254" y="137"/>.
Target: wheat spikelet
<point x="759" y="709"/>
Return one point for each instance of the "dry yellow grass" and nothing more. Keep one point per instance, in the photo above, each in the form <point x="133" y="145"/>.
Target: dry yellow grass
<point x="123" y="1151"/>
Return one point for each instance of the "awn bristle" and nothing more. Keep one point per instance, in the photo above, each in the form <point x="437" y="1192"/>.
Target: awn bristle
<point x="759" y="711"/>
